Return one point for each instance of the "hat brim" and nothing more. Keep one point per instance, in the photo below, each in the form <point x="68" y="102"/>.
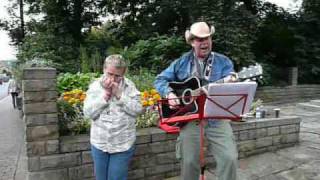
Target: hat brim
<point x="189" y="36"/>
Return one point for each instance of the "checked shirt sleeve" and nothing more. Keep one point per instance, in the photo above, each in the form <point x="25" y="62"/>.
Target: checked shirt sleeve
<point x="130" y="100"/>
<point x="94" y="103"/>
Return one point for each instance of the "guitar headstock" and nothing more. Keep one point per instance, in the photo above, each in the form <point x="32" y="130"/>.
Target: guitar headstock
<point x="252" y="72"/>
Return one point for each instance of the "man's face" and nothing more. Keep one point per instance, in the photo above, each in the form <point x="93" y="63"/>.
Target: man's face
<point x="202" y="46"/>
<point x="114" y="74"/>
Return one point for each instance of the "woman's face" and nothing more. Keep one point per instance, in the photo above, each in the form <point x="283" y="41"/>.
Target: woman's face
<point x="202" y="46"/>
<point x="113" y="73"/>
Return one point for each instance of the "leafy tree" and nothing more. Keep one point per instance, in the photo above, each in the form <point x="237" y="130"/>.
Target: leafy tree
<point x="16" y="24"/>
<point x="309" y="46"/>
<point x="85" y="61"/>
<point x="234" y="21"/>
<point x="155" y="53"/>
<point x="276" y="39"/>
<point x="59" y="33"/>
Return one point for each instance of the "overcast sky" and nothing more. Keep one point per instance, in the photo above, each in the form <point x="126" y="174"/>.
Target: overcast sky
<point x="8" y="52"/>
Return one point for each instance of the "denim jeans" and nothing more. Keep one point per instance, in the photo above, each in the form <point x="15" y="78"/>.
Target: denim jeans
<point x="111" y="166"/>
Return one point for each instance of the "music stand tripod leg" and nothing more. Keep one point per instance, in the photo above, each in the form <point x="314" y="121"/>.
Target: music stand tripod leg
<point x="202" y="99"/>
<point x="202" y="161"/>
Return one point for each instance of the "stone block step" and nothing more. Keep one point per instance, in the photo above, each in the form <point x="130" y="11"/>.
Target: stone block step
<point x="308" y="107"/>
<point x="315" y="102"/>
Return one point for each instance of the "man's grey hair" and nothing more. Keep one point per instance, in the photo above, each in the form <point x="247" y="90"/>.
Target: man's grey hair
<point x="115" y="60"/>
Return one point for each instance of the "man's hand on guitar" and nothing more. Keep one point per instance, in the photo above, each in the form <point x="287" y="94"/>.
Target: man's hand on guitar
<point x="173" y="100"/>
<point x="233" y="77"/>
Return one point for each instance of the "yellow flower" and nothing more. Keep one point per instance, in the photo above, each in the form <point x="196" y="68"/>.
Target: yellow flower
<point x="75" y="96"/>
<point x="66" y="98"/>
<point x="153" y="92"/>
<point x="150" y="103"/>
<point x="144" y="103"/>
<point x="82" y="97"/>
<point x="149" y="98"/>
<point x="144" y="94"/>
<point x="76" y="101"/>
<point x="156" y="97"/>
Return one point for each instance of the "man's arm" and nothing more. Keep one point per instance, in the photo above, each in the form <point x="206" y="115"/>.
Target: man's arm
<point x="162" y="80"/>
<point x="228" y="73"/>
<point x="162" y="84"/>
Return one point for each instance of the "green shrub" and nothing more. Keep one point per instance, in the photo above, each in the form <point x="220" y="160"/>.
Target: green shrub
<point x="147" y="119"/>
<point x="71" y="119"/>
<point x="142" y="78"/>
<point x="155" y="53"/>
<point x="68" y="81"/>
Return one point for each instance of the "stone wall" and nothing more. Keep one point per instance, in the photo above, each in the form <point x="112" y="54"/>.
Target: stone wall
<point x="41" y="119"/>
<point x="155" y="150"/>
<point x="53" y="157"/>
<point x="288" y="94"/>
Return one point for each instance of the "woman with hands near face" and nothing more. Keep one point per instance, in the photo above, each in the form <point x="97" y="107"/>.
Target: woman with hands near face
<point x="112" y="103"/>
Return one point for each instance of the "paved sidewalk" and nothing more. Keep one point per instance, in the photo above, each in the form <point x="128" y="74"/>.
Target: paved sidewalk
<point x="12" y="150"/>
<point x="301" y="162"/>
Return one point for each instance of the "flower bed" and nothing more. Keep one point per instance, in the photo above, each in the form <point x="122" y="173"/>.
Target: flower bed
<point x="72" y="87"/>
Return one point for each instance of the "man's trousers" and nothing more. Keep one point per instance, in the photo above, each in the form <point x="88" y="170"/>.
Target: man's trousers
<point x="221" y="144"/>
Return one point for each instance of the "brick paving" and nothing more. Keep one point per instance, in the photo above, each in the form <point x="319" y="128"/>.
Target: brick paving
<point x="301" y="162"/>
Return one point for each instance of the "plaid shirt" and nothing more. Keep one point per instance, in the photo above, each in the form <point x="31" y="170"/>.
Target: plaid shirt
<point x="113" y="122"/>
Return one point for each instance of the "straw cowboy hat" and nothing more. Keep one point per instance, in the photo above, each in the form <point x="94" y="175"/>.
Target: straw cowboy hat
<point x="200" y="30"/>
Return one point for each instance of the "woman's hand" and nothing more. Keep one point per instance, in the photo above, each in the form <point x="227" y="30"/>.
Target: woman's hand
<point x="107" y="84"/>
<point x="116" y="89"/>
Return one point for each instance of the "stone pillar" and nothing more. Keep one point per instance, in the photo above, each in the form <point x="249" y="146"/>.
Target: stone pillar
<point x="40" y="114"/>
<point x="293" y="76"/>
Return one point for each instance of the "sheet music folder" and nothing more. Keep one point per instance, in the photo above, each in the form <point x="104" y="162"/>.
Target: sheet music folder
<point x="224" y="101"/>
<point x="229" y="100"/>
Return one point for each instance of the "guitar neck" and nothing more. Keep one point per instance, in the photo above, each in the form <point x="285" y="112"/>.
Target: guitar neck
<point x="220" y="81"/>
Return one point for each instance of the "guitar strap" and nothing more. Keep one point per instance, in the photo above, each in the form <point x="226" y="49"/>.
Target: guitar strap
<point x="203" y="70"/>
<point x="208" y="68"/>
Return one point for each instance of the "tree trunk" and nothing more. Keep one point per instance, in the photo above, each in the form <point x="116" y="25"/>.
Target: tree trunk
<point x="21" y="19"/>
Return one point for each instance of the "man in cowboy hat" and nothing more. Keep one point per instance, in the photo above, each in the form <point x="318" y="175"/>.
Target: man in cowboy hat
<point x="208" y="66"/>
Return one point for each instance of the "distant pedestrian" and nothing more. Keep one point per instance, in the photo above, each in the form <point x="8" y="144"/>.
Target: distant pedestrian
<point x="13" y="90"/>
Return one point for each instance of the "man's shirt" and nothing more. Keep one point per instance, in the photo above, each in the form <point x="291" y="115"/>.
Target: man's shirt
<point x="184" y="67"/>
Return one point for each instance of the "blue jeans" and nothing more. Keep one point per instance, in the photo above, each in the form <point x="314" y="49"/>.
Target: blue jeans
<point x="109" y="166"/>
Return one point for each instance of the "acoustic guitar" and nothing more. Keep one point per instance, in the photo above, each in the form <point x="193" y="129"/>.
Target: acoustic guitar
<point x="191" y="87"/>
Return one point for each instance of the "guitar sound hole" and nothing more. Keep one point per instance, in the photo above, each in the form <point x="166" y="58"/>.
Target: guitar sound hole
<point x="186" y="97"/>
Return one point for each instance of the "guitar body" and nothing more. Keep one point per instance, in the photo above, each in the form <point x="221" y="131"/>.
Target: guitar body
<point x="183" y="91"/>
